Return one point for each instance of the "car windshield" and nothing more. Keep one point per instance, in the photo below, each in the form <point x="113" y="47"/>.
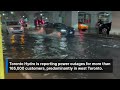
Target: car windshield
<point x="13" y="23"/>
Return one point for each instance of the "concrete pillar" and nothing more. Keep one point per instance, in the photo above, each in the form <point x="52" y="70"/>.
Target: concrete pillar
<point x="60" y="19"/>
<point x="62" y="16"/>
<point x="71" y="18"/>
<point x="110" y="18"/>
<point x="74" y="21"/>
<point x="67" y="18"/>
<point x="115" y="29"/>
<point x="31" y="19"/>
<point x="94" y="19"/>
<point x="50" y="16"/>
<point x="54" y="17"/>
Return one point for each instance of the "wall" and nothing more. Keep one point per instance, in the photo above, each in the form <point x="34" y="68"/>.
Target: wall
<point x="115" y="29"/>
<point x="74" y="19"/>
<point x="70" y="18"/>
<point x="67" y="17"/>
<point x="94" y="16"/>
<point x="54" y="17"/>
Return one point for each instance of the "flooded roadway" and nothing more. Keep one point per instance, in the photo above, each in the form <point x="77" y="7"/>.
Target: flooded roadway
<point x="35" y="46"/>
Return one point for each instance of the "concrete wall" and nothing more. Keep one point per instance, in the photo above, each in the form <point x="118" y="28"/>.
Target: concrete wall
<point x="94" y="16"/>
<point x="54" y="17"/>
<point x="70" y="18"/>
<point x="67" y="18"/>
<point x="74" y="19"/>
<point x="94" y="19"/>
<point x="115" y="23"/>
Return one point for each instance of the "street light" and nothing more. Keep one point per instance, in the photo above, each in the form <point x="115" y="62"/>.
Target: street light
<point x="3" y="14"/>
<point x="41" y="14"/>
<point x="46" y="18"/>
<point x="23" y="16"/>
<point x="12" y="12"/>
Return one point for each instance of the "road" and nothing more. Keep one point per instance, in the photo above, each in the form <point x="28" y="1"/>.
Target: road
<point x="32" y="45"/>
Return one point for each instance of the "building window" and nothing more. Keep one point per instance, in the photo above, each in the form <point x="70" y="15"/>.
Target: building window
<point x="84" y="17"/>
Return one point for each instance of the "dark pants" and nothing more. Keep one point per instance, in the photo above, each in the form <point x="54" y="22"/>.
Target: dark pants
<point x="108" y="31"/>
<point x="100" y="30"/>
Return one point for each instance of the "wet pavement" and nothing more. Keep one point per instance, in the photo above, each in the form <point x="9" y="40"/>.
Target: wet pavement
<point x="33" y="45"/>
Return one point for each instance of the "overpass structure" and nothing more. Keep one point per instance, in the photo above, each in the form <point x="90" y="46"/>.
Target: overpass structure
<point x="71" y="18"/>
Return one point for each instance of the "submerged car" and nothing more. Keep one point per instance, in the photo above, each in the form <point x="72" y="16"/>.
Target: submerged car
<point x="82" y="26"/>
<point x="14" y="27"/>
<point x="48" y="25"/>
<point x="64" y="30"/>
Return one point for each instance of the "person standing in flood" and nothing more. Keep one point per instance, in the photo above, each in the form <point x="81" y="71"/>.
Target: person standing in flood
<point x="99" y="26"/>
